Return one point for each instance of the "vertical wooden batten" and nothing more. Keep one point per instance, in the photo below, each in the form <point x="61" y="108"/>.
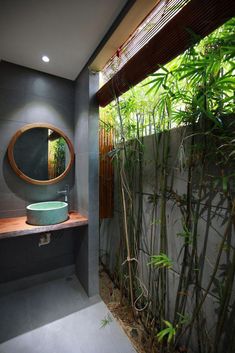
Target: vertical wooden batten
<point x="106" y="175"/>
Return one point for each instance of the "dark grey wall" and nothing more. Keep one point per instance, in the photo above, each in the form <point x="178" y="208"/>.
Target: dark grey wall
<point x="86" y="176"/>
<point x="21" y="256"/>
<point x="28" y="96"/>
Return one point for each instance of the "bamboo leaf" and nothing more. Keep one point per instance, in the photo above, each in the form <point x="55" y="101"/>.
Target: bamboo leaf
<point x="160" y="261"/>
<point x="168" y="332"/>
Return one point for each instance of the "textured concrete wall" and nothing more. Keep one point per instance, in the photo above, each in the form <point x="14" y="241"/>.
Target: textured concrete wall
<point x="86" y="177"/>
<point x="110" y="228"/>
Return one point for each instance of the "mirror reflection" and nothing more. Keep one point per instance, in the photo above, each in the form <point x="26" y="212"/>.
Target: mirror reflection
<point x="41" y="153"/>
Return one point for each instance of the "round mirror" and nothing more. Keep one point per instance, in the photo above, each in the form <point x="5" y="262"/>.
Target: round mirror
<point x="40" y="154"/>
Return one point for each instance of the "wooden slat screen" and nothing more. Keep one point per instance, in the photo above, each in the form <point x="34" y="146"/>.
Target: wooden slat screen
<point x="106" y="174"/>
<point x="200" y="16"/>
<point x="151" y="25"/>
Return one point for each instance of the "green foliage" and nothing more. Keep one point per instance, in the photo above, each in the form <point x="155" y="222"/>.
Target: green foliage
<point x="201" y="81"/>
<point x="183" y="319"/>
<point x="197" y="85"/>
<point x="57" y="152"/>
<point x="106" y="321"/>
<point x="195" y="90"/>
<point x="186" y="234"/>
<point x="59" y="155"/>
<point x="160" y="261"/>
<point x="169" y="332"/>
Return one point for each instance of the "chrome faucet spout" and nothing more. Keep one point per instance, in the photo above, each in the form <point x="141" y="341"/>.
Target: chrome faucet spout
<point x="65" y="193"/>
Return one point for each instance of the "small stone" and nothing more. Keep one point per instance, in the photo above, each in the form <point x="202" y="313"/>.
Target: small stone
<point x="134" y="332"/>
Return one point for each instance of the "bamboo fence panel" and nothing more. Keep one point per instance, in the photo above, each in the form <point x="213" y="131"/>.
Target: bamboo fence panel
<point x="106" y="174"/>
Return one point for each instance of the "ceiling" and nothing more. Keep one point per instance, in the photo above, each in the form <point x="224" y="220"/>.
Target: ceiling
<point x="132" y="19"/>
<point x="67" y="31"/>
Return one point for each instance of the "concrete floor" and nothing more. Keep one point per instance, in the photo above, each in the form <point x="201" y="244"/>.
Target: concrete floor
<point x="58" y="317"/>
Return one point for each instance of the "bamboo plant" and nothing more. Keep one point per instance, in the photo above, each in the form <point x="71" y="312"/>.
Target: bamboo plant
<point x="195" y="92"/>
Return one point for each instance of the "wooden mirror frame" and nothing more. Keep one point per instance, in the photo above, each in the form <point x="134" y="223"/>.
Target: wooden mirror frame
<point x="10" y="153"/>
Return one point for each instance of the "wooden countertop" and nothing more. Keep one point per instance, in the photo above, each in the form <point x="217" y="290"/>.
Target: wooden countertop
<point x="14" y="227"/>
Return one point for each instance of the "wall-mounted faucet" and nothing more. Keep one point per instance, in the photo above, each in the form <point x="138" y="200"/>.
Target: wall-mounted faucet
<point x="65" y="193"/>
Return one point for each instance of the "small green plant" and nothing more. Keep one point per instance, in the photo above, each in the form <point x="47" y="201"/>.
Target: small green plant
<point x="160" y="261"/>
<point x="169" y="332"/>
<point x="183" y="319"/>
<point x="186" y="234"/>
<point x="106" y="321"/>
<point x="59" y="156"/>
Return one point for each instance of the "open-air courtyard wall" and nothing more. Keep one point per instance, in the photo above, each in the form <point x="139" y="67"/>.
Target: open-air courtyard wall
<point x="209" y="232"/>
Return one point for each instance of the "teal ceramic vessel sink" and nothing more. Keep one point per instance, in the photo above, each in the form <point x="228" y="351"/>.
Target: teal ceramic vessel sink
<point x="46" y="213"/>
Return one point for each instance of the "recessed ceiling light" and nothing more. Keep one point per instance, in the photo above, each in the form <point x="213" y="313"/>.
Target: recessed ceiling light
<point x="45" y="59"/>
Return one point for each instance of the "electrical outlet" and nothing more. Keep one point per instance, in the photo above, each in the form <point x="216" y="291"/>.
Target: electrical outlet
<point x="45" y="239"/>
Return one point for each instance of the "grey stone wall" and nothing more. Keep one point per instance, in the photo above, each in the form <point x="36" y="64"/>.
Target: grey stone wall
<point x="28" y="96"/>
<point x="21" y="256"/>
